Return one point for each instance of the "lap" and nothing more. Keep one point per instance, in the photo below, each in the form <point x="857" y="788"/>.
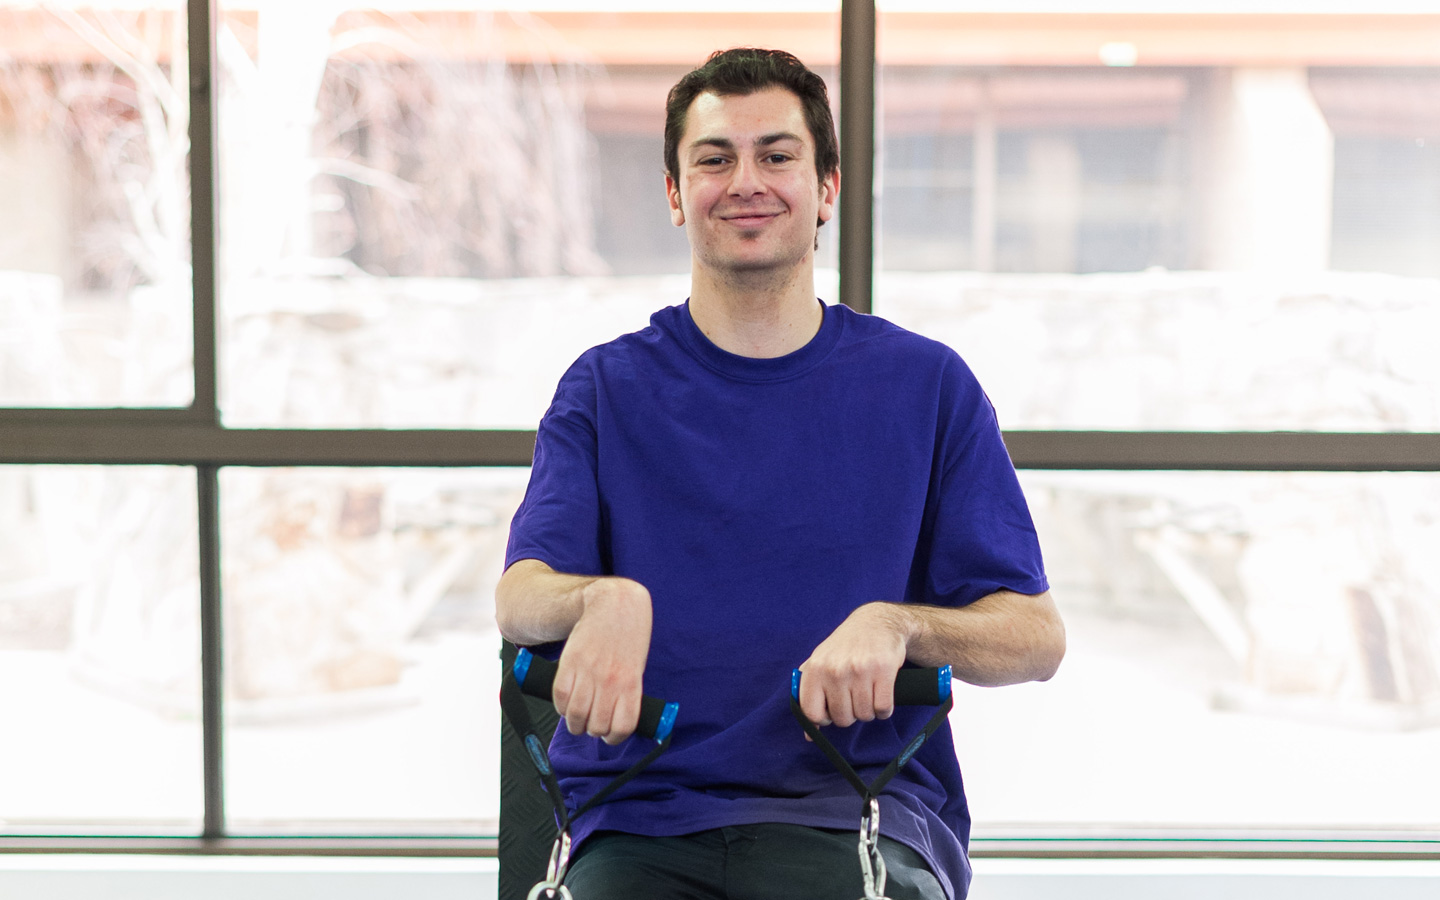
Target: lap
<point x="752" y="862"/>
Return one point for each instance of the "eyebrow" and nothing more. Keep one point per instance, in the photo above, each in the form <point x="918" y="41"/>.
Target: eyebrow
<point x="764" y="141"/>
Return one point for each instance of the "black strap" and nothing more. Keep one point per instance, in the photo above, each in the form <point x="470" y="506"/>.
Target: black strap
<point x="512" y="703"/>
<point x="620" y="780"/>
<point x="869" y="791"/>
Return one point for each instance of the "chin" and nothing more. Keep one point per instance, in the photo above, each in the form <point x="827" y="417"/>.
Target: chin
<point x="757" y="262"/>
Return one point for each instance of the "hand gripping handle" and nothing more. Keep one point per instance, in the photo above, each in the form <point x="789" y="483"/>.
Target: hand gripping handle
<point x="913" y="687"/>
<point x="536" y="677"/>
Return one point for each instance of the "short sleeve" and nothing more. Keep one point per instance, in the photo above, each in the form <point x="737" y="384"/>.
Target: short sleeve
<point x="558" y="522"/>
<point x="980" y="537"/>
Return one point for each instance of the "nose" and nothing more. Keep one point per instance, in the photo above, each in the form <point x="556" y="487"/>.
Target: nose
<point x="745" y="179"/>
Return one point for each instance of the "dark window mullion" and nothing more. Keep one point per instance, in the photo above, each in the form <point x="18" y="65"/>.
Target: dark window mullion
<point x="857" y="153"/>
<point x="202" y="21"/>
<point x="212" y="681"/>
<point x="204" y="85"/>
<point x="174" y="444"/>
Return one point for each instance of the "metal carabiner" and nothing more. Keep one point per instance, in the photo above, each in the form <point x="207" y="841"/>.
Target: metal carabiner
<point x="549" y="890"/>
<point x="872" y="863"/>
<point x="552" y="886"/>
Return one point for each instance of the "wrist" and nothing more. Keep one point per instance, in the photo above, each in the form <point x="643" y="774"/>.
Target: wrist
<point x="895" y="618"/>
<point x="611" y="591"/>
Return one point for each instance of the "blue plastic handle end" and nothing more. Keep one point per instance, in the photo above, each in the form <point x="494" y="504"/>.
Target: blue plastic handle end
<point x="522" y="666"/>
<point x="795" y="685"/>
<point x="667" y="721"/>
<point x="944" y="683"/>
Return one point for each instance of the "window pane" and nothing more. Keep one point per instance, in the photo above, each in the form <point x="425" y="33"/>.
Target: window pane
<point x="95" y="245"/>
<point x="99" y="650"/>
<point x="429" y="215"/>
<point x="1157" y="222"/>
<point x="363" y="659"/>
<point x="1387" y="167"/>
<point x="1204" y="351"/>
<point x="1245" y="650"/>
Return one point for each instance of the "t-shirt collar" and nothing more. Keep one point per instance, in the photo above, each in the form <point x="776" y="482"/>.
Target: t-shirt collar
<point x="749" y="368"/>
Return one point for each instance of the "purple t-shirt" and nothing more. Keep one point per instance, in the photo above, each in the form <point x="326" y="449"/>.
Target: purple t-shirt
<point x="761" y="501"/>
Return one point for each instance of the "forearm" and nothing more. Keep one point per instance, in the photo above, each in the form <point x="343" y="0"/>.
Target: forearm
<point x="605" y="622"/>
<point x="1004" y="638"/>
<point x="534" y="604"/>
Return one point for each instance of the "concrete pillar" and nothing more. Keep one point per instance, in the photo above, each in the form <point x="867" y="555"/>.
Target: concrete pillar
<point x="986" y="163"/>
<point x="1272" y="175"/>
<point x="1054" y="202"/>
<point x="35" y="193"/>
<point x="267" y="134"/>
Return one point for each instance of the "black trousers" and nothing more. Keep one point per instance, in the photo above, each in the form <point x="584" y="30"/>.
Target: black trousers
<point x="748" y="862"/>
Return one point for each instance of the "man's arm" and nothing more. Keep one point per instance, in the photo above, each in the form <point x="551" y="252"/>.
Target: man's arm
<point x="605" y="623"/>
<point x="1003" y="638"/>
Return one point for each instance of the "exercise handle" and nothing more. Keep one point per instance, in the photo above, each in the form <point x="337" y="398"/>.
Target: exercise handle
<point x="913" y="687"/>
<point x="536" y="677"/>
<point x="922" y="687"/>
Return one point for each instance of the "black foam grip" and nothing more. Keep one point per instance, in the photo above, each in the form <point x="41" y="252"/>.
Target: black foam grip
<point x="651" y="711"/>
<point x="918" y="687"/>
<point x="540" y="683"/>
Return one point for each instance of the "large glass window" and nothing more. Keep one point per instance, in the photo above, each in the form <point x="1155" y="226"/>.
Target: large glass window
<point x="1168" y="234"/>
<point x="99" y="650"/>
<point x="1204" y="351"/>
<point x="362" y="649"/>
<point x="95" y="240"/>
<point x="429" y="215"/>
<point x="1126" y="223"/>
<point x="1037" y="170"/>
<point x="1386" y="124"/>
<point x="1129" y="223"/>
<point x="1246" y="651"/>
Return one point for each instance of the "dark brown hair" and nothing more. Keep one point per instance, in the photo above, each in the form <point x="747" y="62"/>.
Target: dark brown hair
<point x="745" y="70"/>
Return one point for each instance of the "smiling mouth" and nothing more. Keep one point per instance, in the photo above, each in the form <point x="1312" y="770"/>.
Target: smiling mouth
<point x="747" y="219"/>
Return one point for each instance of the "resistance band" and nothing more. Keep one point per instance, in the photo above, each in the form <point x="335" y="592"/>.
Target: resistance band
<point x="535" y="676"/>
<point x="913" y="687"/>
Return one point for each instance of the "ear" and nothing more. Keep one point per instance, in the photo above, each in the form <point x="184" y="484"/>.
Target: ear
<point x="829" y="195"/>
<point x="672" y="195"/>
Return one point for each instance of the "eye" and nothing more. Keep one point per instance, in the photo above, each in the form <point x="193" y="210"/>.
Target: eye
<point x="777" y="158"/>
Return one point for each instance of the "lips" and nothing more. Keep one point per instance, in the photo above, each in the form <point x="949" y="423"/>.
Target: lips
<point x="749" y="219"/>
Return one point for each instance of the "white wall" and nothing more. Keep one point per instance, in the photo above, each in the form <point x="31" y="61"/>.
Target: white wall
<point x="79" y="877"/>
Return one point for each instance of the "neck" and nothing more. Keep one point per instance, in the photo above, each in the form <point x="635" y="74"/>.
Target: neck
<point x="758" y="317"/>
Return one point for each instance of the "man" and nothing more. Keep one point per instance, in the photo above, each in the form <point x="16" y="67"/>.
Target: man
<point x="757" y="482"/>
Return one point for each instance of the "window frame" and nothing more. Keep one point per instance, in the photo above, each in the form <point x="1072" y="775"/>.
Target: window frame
<point x="195" y="437"/>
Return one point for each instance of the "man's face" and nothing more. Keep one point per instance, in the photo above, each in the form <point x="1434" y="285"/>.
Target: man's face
<point x="748" y="194"/>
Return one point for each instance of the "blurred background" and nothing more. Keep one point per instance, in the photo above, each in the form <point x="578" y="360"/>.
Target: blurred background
<point x="1127" y="217"/>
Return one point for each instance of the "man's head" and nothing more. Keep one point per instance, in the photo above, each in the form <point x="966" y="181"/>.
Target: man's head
<point x="744" y="71"/>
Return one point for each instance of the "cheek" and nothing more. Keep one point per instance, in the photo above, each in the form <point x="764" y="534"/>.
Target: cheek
<point x="694" y="200"/>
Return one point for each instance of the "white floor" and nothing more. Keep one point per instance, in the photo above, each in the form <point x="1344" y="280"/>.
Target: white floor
<point x="110" y="877"/>
<point x="81" y="877"/>
<point x="1027" y="879"/>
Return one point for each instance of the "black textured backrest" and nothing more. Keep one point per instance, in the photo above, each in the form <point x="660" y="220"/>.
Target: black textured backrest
<point x="527" y="821"/>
